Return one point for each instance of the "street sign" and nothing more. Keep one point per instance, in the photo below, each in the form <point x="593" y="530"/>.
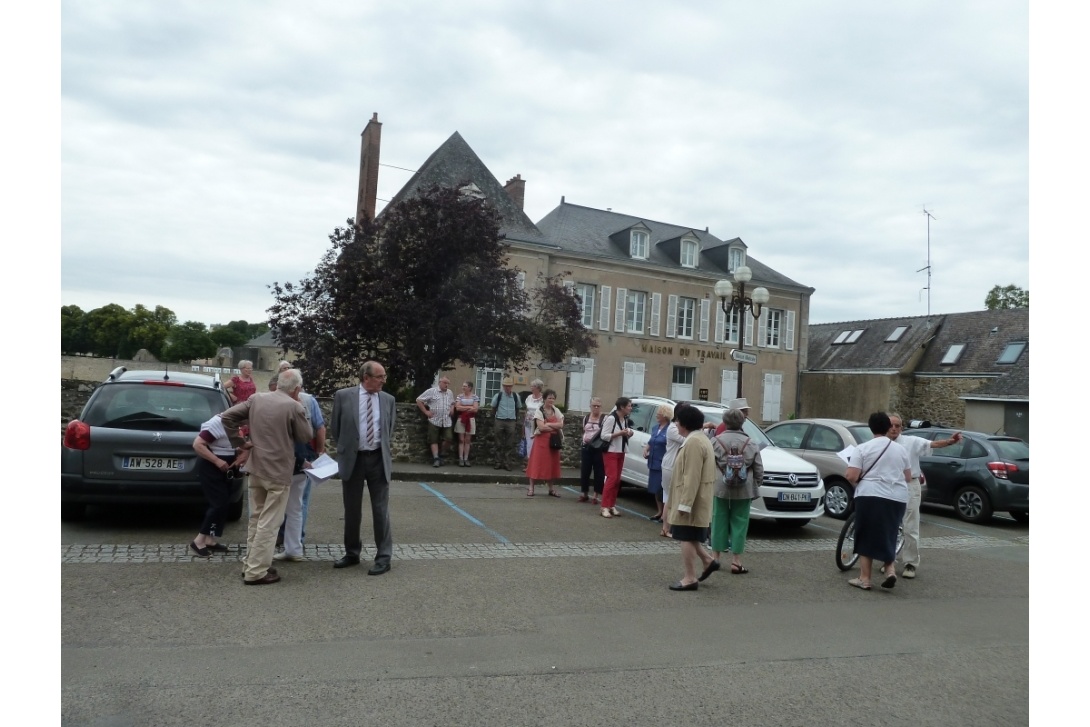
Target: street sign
<point x="743" y="357"/>
<point x="577" y="368"/>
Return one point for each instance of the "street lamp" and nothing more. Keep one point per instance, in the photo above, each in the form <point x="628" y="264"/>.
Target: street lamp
<point x="730" y="299"/>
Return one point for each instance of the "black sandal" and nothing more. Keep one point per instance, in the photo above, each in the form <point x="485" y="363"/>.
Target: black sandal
<point x="203" y="552"/>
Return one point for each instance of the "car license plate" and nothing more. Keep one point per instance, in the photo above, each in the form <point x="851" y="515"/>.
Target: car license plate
<point x="793" y="497"/>
<point x="151" y="463"/>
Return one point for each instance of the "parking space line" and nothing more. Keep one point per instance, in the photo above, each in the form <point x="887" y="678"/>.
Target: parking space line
<point x="569" y="488"/>
<point x="446" y="501"/>
<point x="948" y="527"/>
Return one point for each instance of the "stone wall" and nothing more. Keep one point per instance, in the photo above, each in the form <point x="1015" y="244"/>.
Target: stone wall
<point x="410" y="433"/>
<point x="936" y="399"/>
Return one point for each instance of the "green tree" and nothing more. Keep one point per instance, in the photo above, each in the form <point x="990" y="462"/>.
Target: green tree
<point x="1004" y="297"/>
<point x="421" y="288"/>
<point x="108" y="330"/>
<point x="188" y="341"/>
<point x="236" y="333"/>
<point x="74" y="338"/>
<point x="151" y="328"/>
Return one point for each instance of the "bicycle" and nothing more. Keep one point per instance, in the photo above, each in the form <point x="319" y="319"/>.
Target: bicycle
<point x="846" y="557"/>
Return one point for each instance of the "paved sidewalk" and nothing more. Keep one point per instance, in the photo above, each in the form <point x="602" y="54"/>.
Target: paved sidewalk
<point x="451" y="472"/>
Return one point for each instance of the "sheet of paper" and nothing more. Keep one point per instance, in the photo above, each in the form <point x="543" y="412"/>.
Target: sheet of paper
<point x="850" y="454"/>
<point x="321" y="469"/>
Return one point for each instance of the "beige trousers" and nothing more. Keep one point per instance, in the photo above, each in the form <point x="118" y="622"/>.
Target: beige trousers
<point x="268" y="501"/>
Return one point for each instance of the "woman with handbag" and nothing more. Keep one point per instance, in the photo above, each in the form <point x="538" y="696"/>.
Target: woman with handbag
<point x="881" y="471"/>
<point x="544" y="464"/>
<point x="591" y="456"/>
<point x="735" y="489"/>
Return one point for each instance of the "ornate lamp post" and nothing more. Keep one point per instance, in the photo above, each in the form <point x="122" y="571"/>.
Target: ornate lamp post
<point x="731" y="299"/>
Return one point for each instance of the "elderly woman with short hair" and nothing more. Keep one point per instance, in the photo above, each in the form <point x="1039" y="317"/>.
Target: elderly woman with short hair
<point x="730" y="508"/>
<point x="242" y="386"/>
<point x="590" y="459"/>
<point x="654" y="452"/>
<point x="534" y="402"/>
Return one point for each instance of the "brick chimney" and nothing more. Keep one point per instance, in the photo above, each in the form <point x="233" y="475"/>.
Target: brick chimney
<point x="369" y="149"/>
<point x="516" y="189"/>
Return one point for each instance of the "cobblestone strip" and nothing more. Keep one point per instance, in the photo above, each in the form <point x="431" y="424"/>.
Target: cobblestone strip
<point x="180" y="553"/>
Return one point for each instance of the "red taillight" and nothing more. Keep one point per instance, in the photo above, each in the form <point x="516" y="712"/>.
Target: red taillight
<point x="156" y="382"/>
<point x="77" y="435"/>
<point x="1002" y="470"/>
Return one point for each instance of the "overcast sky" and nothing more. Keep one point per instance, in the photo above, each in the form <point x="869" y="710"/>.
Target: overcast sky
<point x="208" y="149"/>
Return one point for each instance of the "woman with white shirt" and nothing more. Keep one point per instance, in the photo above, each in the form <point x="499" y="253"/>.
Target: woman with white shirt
<point x="880" y="470"/>
<point x="616" y="429"/>
<point x="534" y="402"/>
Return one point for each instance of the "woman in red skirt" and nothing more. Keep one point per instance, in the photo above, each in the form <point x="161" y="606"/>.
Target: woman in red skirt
<point x="544" y="462"/>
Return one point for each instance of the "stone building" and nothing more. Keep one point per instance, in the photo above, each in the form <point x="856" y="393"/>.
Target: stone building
<point x="646" y="288"/>
<point x="968" y="370"/>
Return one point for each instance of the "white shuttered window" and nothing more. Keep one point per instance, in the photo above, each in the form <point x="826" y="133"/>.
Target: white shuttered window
<point x="618" y="317"/>
<point x="705" y="312"/>
<point x="671" y="316"/>
<point x="656" y="309"/>
<point x="603" y="315"/>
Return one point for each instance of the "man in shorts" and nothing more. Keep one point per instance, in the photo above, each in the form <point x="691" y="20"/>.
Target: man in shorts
<point x="437" y="404"/>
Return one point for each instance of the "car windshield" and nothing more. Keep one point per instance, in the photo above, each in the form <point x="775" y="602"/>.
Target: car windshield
<point x="152" y="407"/>
<point x="1014" y="449"/>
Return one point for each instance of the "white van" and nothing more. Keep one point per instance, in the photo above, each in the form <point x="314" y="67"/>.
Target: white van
<point x="792" y="491"/>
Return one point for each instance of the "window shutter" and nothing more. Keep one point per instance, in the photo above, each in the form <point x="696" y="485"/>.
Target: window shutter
<point x="750" y="323"/>
<point x="656" y="309"/>
<point x="705" y="314"/>
<point x="762" y="328"/>
<point x="719" y="317"/>
<point x="521" y="278"/>
<point x="671" y="316"/>
<point x="770" y="412"/>
<point x="603" y="315"/>
<point x="618" y="318"/>
<point x="729" y="388"/>
<point x="789" y="332"/>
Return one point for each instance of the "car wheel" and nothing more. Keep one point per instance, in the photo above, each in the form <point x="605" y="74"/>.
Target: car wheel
<point x="1020" y="516"/>
<point x="972" y="504"/>
<point x="234" y="510"/>
<point x="838" y="499"/>
<point x="790" y="522"/>
<point x="71" y="511"/>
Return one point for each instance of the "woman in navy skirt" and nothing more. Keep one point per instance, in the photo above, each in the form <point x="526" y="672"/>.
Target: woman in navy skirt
<point x="880" y="470"/>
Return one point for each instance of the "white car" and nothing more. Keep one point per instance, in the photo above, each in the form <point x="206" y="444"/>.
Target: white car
<point x="792" y="491"/>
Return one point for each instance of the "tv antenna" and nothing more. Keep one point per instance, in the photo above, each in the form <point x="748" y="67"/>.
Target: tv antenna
<point x="928" y="266"/>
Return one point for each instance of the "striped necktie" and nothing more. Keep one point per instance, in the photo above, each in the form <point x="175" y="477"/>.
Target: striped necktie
<point x="369" y="416"/>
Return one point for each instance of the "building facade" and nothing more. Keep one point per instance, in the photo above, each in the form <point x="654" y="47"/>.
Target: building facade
<point x="646" y="291"/>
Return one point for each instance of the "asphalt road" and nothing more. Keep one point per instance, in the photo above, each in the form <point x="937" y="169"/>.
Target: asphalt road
<point x="506" y="610"/>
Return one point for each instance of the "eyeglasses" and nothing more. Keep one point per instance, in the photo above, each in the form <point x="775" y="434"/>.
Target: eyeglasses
<point x="380" y="376"/>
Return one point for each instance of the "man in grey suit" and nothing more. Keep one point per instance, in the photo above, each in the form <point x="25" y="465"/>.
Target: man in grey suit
<point x="363" y="426"/>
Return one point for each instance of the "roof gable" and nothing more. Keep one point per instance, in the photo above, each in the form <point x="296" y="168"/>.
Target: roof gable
<point x="455" y="164"/>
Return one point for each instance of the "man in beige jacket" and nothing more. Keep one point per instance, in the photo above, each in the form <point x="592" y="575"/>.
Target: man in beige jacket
<point x="277" y="421"/>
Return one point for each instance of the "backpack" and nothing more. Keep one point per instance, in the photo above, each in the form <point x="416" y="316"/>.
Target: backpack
<point x="735" y="473"/>
<point x="596" y="442"/>
<point x="496" y="403"/>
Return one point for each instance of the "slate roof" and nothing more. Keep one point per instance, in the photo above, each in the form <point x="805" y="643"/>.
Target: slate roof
<point x="603" y="234"/>
<point x="453" y="163"/>
<point x="265" y="340"/>
<point x="984" y="333"/>
<point x="870" y="351"/>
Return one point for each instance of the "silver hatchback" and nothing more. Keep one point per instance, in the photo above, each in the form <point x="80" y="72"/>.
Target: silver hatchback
<point x="133" y="442"/>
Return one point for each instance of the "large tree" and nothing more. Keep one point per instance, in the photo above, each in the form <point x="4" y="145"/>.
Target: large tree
<point x="1004" y="297"/>
<point x="74" y="337"/>
<point x="422" y="288"/>
<point x="236" y="333"/>
<point x="188" y="341"/>
<point x="150" y="328"/>
<point x="108" y="329"/>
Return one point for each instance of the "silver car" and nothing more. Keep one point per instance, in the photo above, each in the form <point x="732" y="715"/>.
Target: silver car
<point x="792" y="491"/>
<point x="818" y="441"/>
<point x="133" y="442"/>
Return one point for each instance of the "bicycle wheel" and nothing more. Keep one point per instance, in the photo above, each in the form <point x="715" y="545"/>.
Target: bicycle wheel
<point x="846" y="557"/>
<point x="900" y="541"/>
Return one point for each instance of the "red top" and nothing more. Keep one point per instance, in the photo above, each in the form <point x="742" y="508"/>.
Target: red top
<point x="243" y="390"/>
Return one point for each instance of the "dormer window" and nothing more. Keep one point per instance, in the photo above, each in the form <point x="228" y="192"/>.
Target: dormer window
<point x="737" y="258"/>
<point x="953" y="354"/>
<point x="690" y="252"/>
<point x="638" y="245"/>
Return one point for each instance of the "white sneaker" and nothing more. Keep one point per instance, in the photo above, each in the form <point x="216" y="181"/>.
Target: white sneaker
<point x="292" y="558"/>
<point x="615" y="511"/>
<point x="909" y="572"/>
<point x="606" y="512"/>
